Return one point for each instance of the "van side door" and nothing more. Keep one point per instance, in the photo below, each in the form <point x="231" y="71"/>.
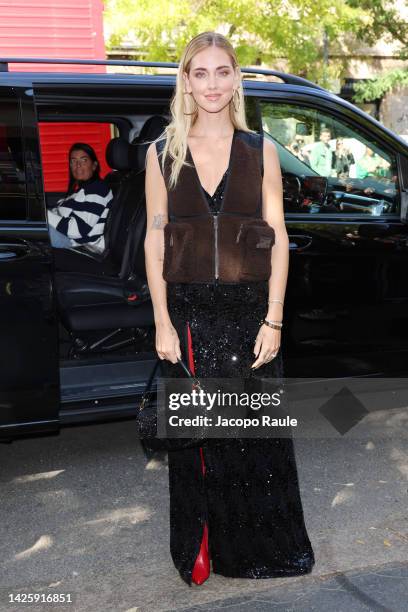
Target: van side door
<point x="29" y="372"/>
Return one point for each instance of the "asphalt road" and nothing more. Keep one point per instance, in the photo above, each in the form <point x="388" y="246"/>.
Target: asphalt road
<point x="85" y="513"/>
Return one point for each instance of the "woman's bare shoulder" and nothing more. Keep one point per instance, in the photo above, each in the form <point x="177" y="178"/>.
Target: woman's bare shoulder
<point x="269" y="145"/>
<point x="270" y="150"/>
<point x="151" y="151"/>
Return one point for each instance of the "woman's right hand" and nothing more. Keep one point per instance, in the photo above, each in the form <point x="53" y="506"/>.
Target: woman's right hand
<point x="167" y="342"/>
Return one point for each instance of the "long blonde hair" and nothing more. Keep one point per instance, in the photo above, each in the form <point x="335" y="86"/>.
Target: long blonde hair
<point x="177" y="130"/>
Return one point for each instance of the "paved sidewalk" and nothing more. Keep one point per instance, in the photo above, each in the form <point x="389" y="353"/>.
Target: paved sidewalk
<point x="380" y="589"/>
<point x="85" y="513"/>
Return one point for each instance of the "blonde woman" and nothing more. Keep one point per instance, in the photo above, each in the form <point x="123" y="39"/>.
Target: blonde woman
<point x="217" y="261"/>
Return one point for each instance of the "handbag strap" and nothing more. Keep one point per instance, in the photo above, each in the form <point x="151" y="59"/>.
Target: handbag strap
<point x="195" y="380"/>
<point x="149" y="385"/>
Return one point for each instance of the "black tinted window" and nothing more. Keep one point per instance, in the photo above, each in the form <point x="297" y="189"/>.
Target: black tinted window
<point x="12" y="172"/>
<point x="361" y="176"/>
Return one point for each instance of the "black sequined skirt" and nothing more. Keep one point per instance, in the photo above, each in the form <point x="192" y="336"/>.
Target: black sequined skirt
<point x="249" y="495"/>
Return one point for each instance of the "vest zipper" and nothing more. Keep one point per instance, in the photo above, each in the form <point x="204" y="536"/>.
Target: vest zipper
<point x="215" y="217"/>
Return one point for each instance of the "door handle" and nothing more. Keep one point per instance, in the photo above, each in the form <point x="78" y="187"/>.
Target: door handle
<point x="12" y="251"/>
<point x="299" y="242"/>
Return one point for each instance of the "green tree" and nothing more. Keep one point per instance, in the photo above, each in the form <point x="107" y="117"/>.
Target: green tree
<point x="261" y="30"/>
<point x="387" y="24"/>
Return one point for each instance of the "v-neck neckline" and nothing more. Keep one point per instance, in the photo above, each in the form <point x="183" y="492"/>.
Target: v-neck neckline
<point x="227" y="171"/>
<point x="217" y="188"/>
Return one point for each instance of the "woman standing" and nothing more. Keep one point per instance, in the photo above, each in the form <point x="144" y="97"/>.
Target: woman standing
<point x="214" y="209"/>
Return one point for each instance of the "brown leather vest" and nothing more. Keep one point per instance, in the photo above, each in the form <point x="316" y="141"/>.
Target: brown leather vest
<point x="231" y="246"/>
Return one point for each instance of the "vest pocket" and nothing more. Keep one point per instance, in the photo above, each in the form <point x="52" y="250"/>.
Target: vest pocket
<point x="257" y="239"/>
<point x="178" y="265"/>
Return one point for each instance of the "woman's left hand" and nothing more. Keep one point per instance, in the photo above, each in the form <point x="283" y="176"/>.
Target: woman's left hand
<point x="266" y="345"/>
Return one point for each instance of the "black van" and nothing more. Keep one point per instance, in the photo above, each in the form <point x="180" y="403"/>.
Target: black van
<point x="77" y="329"/>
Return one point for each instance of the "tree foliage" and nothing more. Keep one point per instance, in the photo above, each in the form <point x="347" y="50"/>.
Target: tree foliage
<point x="388" y="25"/>
<point x="262" y="31"/>
<point x="375" y="89"/>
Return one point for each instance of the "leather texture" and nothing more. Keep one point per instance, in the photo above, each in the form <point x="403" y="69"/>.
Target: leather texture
<point x="91" y="294"/>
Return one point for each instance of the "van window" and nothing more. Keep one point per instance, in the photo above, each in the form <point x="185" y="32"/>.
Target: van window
<point x="56" y="140"/>
<point x="13" y="205"/>
<point x="362" y="176"/>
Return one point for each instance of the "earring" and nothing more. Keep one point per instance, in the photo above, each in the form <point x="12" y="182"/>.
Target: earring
<point x="236" y="108"/>
<point x="196" y="106"/>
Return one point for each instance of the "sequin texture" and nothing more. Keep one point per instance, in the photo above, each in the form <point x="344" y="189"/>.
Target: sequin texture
<point x="249" y="495"/>
<point x="216" y="199"/>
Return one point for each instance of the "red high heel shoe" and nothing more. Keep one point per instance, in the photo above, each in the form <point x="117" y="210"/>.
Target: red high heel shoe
<point x="201" y="569"/>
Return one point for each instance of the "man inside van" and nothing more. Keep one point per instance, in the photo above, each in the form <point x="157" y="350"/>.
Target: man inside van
<point x="80" y="217"/>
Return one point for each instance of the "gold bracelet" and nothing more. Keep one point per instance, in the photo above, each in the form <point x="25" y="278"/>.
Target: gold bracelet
<point x="274" y="324"/>
<point x="275" y="300"/>
<point x="273" y="321"/>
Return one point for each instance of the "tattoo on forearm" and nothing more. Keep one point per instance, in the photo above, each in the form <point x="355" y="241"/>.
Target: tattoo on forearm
<point x="158" y="221"/>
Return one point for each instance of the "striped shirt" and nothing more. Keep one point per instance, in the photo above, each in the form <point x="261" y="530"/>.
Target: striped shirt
<point x="82" y="215"/>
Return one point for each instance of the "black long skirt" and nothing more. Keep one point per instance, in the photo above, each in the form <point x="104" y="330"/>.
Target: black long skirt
<point x="249" y="494"/>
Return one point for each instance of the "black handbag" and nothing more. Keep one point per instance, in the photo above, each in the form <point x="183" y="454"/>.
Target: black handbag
<point x="147" y="419"/>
